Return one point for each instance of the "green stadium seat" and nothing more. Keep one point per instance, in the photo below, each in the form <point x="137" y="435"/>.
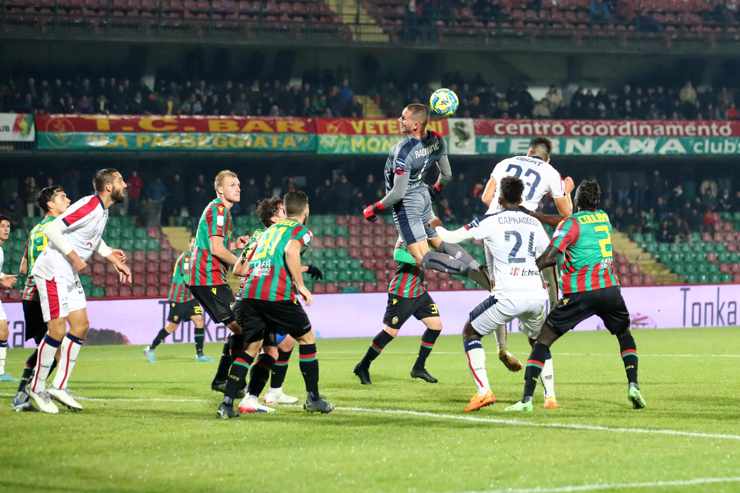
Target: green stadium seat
<point x="342" y="253"/>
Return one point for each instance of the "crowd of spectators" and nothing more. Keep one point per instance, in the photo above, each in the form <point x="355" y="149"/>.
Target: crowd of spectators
<point x="335" y="97"/>
<point x="652" y="102"/>
<point x="327" y="97"/>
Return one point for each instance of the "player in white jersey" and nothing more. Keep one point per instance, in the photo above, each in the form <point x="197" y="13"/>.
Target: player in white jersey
<point x="513" y="240"/>
<point x="7" y="282"/>
<point x="540" y="179"/>
<point x="73" y="238"/>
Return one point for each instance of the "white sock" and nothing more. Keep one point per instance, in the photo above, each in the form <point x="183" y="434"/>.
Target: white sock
<point x="477" y="364"/>
<point x="547" y="377"/>
<point x="46" y="352"/>
<point x="3" y="355"/>
<point x="67" y="360"/>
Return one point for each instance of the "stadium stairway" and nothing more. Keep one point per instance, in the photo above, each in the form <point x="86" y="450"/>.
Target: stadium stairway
<point x="370" y="108"/>
<point x="178" y="236"/>
<point x="647" y="264"/>
<point x="363" y="27"/>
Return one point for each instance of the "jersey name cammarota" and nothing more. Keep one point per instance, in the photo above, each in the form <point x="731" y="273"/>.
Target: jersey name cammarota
<point x="513" y="240"/>
<point x="538" y="176"/>
<point x="413" y="157"/>
<point x="83" y="224"/>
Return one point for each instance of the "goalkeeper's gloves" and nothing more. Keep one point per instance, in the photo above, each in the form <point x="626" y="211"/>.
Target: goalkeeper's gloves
<point x="315" y="273"/>
<point x="370" y="212"/>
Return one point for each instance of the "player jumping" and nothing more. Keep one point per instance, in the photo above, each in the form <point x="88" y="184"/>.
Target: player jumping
<point x="73" y="238"/>
<point x="183" y="307"/>
<point x="582" y="248"/>
<point x="512" y="240"/>
<point x="53" y="201"/>
<point x="409" y="198"/>
<point x="209" y="261"/>
<point x="7" y="282"/>
<point x="269" y="304"/>
<point x="407" y="296"/>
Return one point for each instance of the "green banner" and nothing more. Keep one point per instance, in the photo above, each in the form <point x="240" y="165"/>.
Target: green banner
<point x="357" y="144"/>
<point x="615" y="146"/>
<point x="248" y="142"/>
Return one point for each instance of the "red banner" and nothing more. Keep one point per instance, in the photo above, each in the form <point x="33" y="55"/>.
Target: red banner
<point x="607" y="128"/>
<point x="349" y="126"/>
<point x="172" y="124"/>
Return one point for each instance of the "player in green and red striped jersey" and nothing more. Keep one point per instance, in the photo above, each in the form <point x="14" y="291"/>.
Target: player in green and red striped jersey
<point x="53" y="201"/>
<point x="183" y="307"/>
<point x="276" y="348"/>
<point x="582" y="248"/>
<point x="270" y="304"/>
<point x="407" y="296"/>
<point x="211" y="258"/>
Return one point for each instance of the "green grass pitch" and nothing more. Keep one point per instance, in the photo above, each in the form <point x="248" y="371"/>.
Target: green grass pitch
<point x="153" y="427"/>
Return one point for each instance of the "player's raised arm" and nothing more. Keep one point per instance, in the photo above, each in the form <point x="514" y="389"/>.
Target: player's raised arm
<point x="445" y="168"/>
<point x="54" y="231"/>
<point x="564" y="202"/>
<point x="489" y="192"/>
<point x="457" y="236"/>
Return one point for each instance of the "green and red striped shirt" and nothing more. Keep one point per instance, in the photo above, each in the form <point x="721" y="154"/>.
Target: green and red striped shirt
<point x="246" y="255"/>
<point x="268" y="277"/>
<point x="585" y="240"/>
<point x="35" y="245"/>
<point x="179" y="292"/>
<point x="408" y="282"/>
<point x="206" y="269"/>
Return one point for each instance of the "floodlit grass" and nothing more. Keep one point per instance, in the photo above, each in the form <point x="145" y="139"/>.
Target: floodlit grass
<point x="153" y="427"/>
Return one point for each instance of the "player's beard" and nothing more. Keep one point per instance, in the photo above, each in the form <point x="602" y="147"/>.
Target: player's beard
<point x="118" y="195"/>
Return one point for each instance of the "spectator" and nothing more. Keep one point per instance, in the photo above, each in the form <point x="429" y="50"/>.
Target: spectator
<point x="344" y="194"/>
<point x="135" y="187"/>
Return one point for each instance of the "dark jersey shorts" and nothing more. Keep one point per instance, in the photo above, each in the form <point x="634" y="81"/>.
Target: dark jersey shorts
<point x="182" y="312"/>
<point x="258" y="318"/>
<point x="35" y="325"/>
<point x="606" y="303"/>
<point x="216" y="301"/>
<point x="399" y="309"/>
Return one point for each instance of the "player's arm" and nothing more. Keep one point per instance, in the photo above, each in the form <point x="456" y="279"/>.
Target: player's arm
<point x="445" y="169"/>
<point x="548" y="259"/>
<point x="23" y="268"/>
<point x="293" y="263"/>
<point x="118" y="259"/>
<point x="489" y="192"/>
<point x="561" y="196"/>
<point x="219" y="250"/>
<point x="564" y="236"/>
<point x="54" y="231"/>
<point x="394" y="195"/>
<point x="457" y="236"/>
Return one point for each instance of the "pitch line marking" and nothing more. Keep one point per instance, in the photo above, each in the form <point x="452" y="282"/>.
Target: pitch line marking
<point x="455" y="417"/>
<point x="614" y="486"/>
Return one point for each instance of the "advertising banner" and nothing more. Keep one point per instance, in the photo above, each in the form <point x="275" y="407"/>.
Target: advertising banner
<point x="17" y="127"/>
<point x="137" y="321"/>
<point x="363" y="136"/>
<point x="178" y="141"/>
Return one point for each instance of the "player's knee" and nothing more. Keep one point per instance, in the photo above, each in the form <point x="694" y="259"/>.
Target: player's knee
<point x="271" y="351"/>
<point x="286" y="344"/>
<point x="197" y="321"/>
<point x="547" y="335"/>
<point x="390" y="331"/>
<point x="469" y="333"/>
<point x="307" y="338"/>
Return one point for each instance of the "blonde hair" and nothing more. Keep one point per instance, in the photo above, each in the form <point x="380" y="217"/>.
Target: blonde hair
<point x="219" y="180"/>
<point x="419" y="112"/>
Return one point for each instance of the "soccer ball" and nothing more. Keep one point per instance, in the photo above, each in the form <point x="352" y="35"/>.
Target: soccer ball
<point x="444" y="102"/>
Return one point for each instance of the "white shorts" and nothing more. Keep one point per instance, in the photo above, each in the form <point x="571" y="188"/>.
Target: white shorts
<point x="493" y="312"/>
<point x="3" y="316"/>
<point x="60" y="297"/>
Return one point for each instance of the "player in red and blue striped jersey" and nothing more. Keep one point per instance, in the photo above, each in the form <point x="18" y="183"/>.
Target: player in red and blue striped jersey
<point x="407" y="296"/>
<point x="183" y="307"/>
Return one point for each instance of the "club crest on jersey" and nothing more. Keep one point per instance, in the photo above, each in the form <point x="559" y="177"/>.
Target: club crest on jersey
<point x="399" y="170"/>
